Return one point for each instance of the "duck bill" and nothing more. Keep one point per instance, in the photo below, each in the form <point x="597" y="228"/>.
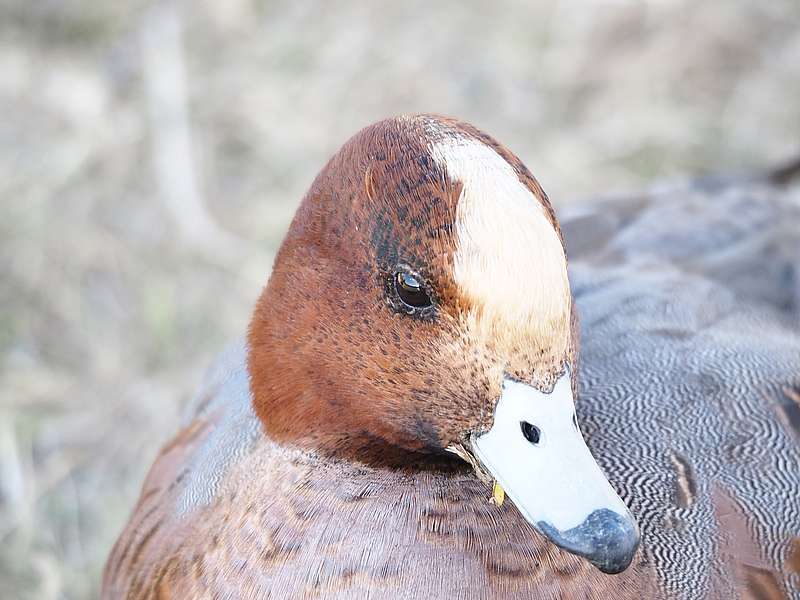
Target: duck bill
<point x="537" y="454"/>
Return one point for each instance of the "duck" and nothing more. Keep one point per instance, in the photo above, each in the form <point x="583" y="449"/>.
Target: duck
<point x="418" y="411"/>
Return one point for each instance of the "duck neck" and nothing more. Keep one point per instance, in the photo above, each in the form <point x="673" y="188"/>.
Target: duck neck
<point x="308" y="389"/>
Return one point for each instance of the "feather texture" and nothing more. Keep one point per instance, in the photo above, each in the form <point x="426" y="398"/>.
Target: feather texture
<point x="690" y="378"/>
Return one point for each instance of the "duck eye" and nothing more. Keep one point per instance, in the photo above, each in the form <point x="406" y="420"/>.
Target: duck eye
<point x="531" y="432"/>
<point x="411" y="291"/>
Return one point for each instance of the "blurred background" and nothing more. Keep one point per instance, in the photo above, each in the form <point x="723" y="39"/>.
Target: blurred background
<point x="151" y="156"/>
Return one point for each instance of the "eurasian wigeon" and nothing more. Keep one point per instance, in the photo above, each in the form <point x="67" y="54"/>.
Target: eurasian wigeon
<point x="413" y="359"/>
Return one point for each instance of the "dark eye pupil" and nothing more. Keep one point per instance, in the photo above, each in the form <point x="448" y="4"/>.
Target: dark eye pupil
<point x="531" y="432"/>
<point x="410" y="291"/>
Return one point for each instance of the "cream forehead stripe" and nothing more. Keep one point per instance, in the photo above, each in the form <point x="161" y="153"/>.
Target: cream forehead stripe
<point x="509" y="259"/>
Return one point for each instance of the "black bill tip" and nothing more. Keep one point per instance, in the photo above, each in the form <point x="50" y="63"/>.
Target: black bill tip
<point x="606" y="539"/>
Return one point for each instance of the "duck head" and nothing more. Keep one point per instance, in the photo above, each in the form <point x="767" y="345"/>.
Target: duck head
<point x="420" y="304"/>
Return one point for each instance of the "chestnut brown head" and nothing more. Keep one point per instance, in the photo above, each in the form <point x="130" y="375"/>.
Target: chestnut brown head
<point x="422" y="267"/>
<point x="423" y="281"/>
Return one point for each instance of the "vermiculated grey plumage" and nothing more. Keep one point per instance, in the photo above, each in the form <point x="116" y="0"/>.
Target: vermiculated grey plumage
<point x="690" y="373"/>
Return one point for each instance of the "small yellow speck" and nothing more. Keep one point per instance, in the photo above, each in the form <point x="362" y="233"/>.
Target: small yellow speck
<point x="498" y="494"/>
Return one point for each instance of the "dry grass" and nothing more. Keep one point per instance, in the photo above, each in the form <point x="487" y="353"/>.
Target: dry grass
<point x="150" y="159"/>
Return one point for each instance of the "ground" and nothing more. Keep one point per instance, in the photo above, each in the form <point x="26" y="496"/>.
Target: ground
<point x="152" y="156"/>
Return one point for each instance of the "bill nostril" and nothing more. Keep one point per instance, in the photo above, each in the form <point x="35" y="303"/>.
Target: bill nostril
<point x="531" y="432"/>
